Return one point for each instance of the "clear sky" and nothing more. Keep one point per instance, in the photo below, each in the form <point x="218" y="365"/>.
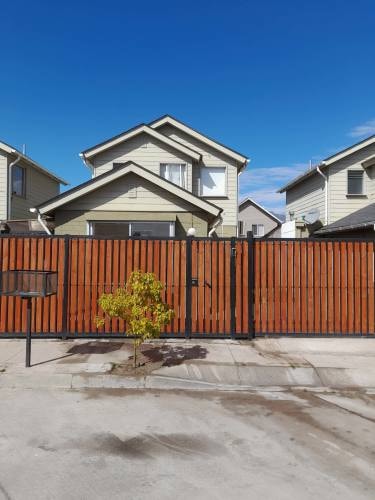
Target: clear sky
<point x="283" y="82"/>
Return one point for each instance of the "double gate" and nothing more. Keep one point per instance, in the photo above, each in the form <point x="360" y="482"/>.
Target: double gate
<point x="237" y="288"/>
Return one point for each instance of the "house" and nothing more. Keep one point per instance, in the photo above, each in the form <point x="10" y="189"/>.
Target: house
<point x="23" y="184"/>
<point x="334" y="196"/>
<point x="157" y="179"/>
<point x="254" y="217"/>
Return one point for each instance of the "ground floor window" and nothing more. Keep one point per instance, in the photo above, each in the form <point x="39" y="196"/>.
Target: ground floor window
<point x="258" y="230"/>
<point x="136" y="229"/>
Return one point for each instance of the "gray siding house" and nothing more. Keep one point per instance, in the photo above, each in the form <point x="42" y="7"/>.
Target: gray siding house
<point x="328" y="193"/>
<point x="156" y="179"/>
<point x="23" y="184"/>
<point x="254" y="217"/>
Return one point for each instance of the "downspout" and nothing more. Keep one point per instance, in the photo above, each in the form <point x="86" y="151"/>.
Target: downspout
<point x="40" y="220"/>
<point x="11" y="165"/>
<point x="325" y="177"/>
<point x="215" y="225"/>
<point x="87" y="163"/>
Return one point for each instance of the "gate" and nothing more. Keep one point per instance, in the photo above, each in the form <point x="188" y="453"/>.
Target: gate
<point x="238" y="288"/>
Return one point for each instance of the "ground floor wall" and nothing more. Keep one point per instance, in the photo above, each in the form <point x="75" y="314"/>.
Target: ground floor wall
<point x="75" y="222"/>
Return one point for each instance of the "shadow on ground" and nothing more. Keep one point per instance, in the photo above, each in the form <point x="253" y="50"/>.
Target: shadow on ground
<point x="95" y="347"/>
<point x="169" y="355"/>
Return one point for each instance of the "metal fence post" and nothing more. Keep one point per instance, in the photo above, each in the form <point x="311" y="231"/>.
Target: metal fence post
<point x="251" y="282"/>
<point x="233" y="288"/>
<point x="188" y="287"/>
<point x="65" y="288"/>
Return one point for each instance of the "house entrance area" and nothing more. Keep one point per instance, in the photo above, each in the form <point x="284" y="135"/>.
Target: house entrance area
<point x="129" y="229"/>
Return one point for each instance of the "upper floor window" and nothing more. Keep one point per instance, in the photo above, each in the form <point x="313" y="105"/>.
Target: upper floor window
<point x="258" y="230"/>
<point x="355" y="182"/>
<point x="213" y="181"/>
<point x="19" y="181"/>
<point x="174" y="172"/>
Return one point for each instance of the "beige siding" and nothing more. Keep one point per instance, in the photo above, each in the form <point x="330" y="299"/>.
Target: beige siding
<point x="76" y="221"/>
<point x="131" y="193"/>
<point x="39" y="188"/>
<point x="304" y="196"/>
<point x="3" y="185"/>
<point x="144" y="150"/>
<point x="250" y="214"/>
<point x="211" y="157"/>
<point x="340" y="204"/>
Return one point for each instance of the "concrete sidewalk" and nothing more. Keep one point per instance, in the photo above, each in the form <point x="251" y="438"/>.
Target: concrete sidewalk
<point x="194" y="364"/>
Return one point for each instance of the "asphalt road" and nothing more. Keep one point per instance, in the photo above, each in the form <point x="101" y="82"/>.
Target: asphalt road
<point x="177" y="445"/>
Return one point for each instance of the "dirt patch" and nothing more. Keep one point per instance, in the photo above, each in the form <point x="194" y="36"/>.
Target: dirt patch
<point x="153" y="357"/>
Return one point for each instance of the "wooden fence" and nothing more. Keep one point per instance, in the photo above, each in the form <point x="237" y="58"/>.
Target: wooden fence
<point x="229" y="287"/>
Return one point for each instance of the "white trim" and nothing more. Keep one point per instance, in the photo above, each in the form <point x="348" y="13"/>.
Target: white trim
<point x="206" y="140"/>
<point x="117" y="173"/>
<point x="142" y="129"/>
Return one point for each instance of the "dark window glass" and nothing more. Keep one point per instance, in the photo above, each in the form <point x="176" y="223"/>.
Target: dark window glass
<point x="355" y="181"/>
<point x="18" y="181"/>
<point x="111" y="229"/>
<point x="155" y="229"/>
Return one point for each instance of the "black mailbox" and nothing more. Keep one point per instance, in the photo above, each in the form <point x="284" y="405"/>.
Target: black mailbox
<point x="28" y="283"/>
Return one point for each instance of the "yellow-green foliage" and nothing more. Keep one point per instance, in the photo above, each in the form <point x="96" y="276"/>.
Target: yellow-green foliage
<point x="140" y="304"/>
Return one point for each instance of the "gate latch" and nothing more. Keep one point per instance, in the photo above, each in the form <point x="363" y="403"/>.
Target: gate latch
<point x="194" y="281"/>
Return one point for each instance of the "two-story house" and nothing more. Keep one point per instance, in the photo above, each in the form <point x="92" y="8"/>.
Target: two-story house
<point x="23" y="184"/>
<point x="157" y="179"/>
<point x="336" y="197"/>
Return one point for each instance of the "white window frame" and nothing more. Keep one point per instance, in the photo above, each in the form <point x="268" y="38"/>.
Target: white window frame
<point x="258" y="226"/>
<point x="183" y="173"/>
<point x="363" y="182"/>
<point x="241" y="228"/>
<point x="225" y="194"/>
<point x="90" y="232"/>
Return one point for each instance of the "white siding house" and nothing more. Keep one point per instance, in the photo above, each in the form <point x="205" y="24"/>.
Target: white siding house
<point x="339" y="186"/>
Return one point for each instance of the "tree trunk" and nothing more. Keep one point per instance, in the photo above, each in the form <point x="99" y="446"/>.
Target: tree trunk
<point x="135" y="354"/>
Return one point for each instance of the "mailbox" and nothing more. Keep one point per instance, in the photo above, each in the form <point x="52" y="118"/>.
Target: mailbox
<point x="28" y="283"/>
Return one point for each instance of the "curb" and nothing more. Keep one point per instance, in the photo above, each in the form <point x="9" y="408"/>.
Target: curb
<point x="201" y="377"/>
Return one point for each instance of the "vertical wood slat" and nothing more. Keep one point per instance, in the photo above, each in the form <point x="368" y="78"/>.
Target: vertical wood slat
<point x="300" y="287"/>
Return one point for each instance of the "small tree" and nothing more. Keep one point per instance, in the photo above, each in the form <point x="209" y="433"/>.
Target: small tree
<point x="139" y="303"/>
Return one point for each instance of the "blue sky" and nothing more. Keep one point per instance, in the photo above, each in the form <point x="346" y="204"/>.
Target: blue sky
<point x="283" y="82"/>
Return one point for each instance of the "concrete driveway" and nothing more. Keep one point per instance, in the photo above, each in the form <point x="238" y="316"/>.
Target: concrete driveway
<point x="116" y="444"/>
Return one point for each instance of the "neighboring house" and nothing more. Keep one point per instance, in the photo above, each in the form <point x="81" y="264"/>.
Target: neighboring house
<point x="320" y="200"/>
<point x="159" y="179"/>
<point x="23" y="184"/>
<point x="253" y="217"/>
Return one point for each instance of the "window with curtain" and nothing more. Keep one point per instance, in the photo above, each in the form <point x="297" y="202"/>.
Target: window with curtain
<point x="258" y="230"/>
<point x="355" y="182"/>
<point x="174" y="172"/>
<point x="213" y="181"/>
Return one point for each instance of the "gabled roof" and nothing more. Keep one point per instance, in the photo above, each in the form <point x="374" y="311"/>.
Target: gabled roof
<point x="13" y="151"/>
<point x="260" y="207"/>
<point x="167" y="119"/>
<point x="364" y="217"/>
<point x="127" y="168"/>
<point x="332" y="159"/>
<point x="133" y="132"/>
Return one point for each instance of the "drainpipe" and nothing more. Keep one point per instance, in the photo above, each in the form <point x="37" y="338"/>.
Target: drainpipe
<point x="325" y="177"/>
<point x="11" y="165"/>
<point x="87" y="163"/>
<point x="40" y="220"/>
<point x="218" y="221"/>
